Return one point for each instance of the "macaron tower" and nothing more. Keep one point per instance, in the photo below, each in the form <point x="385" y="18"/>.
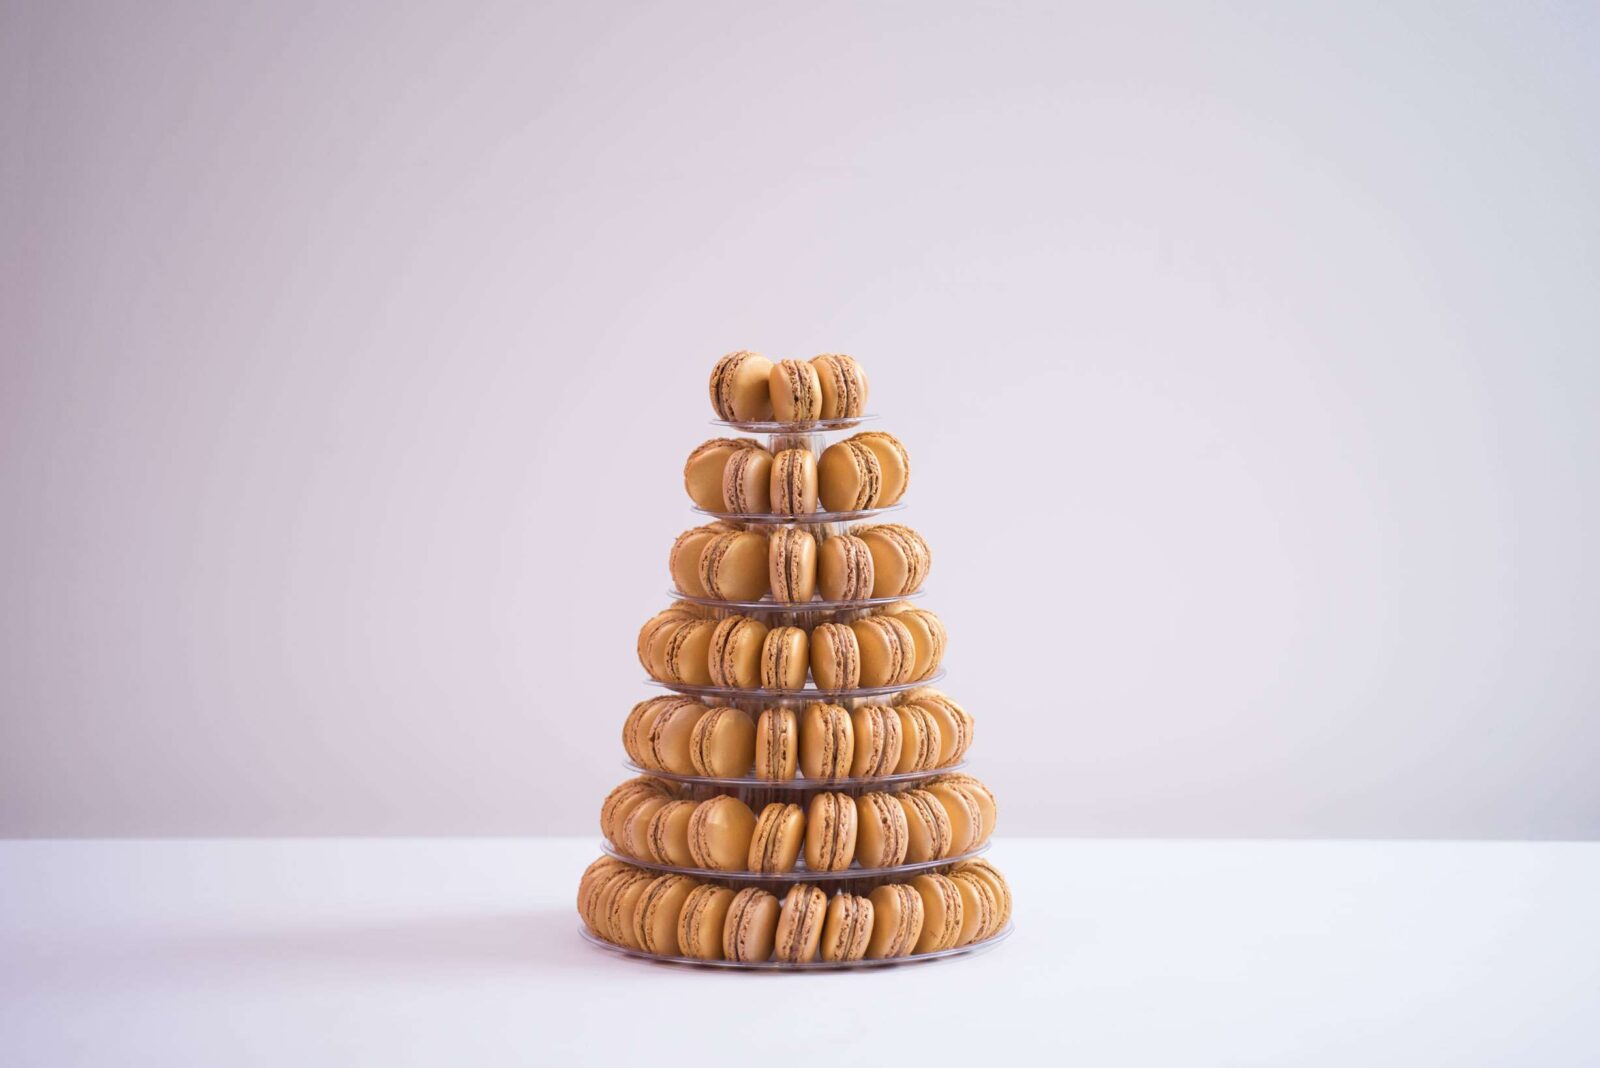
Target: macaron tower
<point x="797" y="794"/>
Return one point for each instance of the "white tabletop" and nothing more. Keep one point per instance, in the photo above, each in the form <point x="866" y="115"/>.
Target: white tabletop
<point x="465" y="952"/>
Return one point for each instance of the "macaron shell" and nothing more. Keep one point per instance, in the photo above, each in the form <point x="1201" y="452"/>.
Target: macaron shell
<point x="785" y="656"/>
<point x="792" y="565"/>
<point x="848" y="477"/>
<point x="966" y="819"/>
<point x="702" y="472"/>
<point x="919" y="740"/>
<point x="750" y="926"/>
<point x="621" y="800"/>
<point x="667" y="838"/>
<point x="881" y="834"/>
<point x="997" y="883"/>
<point x="928" y="829"/>
<point x="651" y="633"/>
<point x="988" y="806"/>
<point x="978" y="908"/>
<point x="888" y="653"/>
<point x="740" y="389"/>
<point x="844" y="569"/>
<point x="835" y="657"/>
<point x="733" y="566"/>
<point x="894" y="464"/>
<point x="655" y="918"/>
<point x="720" y="832"/>
<point x="827" y="741"/>
<point x="747" y="482"/>
<point x="776" y="744"/>
<point x="941" y="912"/>
<point x="619" y="917"/>
<point x="844" y="386"/>
<point x="724" y="743"/>
<point x="701" y="920"/>
<point x="685" y="657"/>
<point x="795" y="390"/>
<point x="877" y="741"/>
<point x="800" y="924"/>
<point x="794" y="482"/>
<point x="683" y="562"/>
<point x="735" y="652"/>
<point x="633" y="830"/>
<point x="846" y="928"/>
<point x="953" y="741"/>
<point x="831" y="828"/>
<point x="896" y="559"/>
<point x="590" y="881"/>
<point x="636" y="730"/>
<point x="925" y="641"/>
<point x="671" y="735"/>
<point x="775" y="845"/>
<point x="896" y="921"/>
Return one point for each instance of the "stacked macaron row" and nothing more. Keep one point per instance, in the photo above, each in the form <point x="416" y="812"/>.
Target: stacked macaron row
<point x="746" y="387"/>
<point x="737" y="476"/>
<point x="678" y="916"/>
<point x="922" y="731"/>
<point x="720" y="561"/>
<point x="896" y="646"/>
<point x="651" y="821"/>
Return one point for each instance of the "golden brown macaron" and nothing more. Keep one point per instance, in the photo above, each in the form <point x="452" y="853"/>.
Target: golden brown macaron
<point x="800" y="924"/>
<point x="794" y="482"/>
<point x="831" y="827"/>
<point x="734" y="655"/>
<point x="894" y="465"/>
<point x="888" y="652"/>
<point x="792" y="565"/>
<point x="775" y="845"/>
<point x="785" y="656"/>
<point x="655" y="626"/>
<point x="615" y="906"/>
<point x="702" y="472"/>
<point x="685" y="656"/>
<point x="919" y="739"/>
<point x="733" y="566"/>
<point x="979" y="908"/>
<point x="881" y="833"/>
<point x="877" y="736"/>
<point x="941" y="912"/>
<point x="670" y="741"/>
<point x="844" y="386"/>
<point x="966" y="817"/>
<point x="847" y="928"/>
<point x="927" y="636"/>
<point x="723" y="745"/>
<point x="751" y="924"/>
<point x="835" y="657"/>
<point x="827" y="741"/>
<point x="747" y="482"/>
<point x="928" y="830"/>
<point x="988" y="806"/>
<point x="683" y="562"/>
<point x="776" y="744"/>
<point x="655" y="917"/>
<point x="896" y="921"/>
<point x="592" y="876"/>
<point x="596" y="898"/>
<point x="740" y="387"/>
<point x="956" y="726"/>
<point x="844" y="569"/>
<point x="633" y="829"/>
<point x="795" y="390"/>
<point x="900" y="558"/>
<point x="848" y="477"/>
<point x="701" y="920"/>
<point x="997" y="882"/>
<point x="636" y="729"/>
<point x="719" y="833"/>
<point x="622" y="799"/>
<point x="666" y="840"/>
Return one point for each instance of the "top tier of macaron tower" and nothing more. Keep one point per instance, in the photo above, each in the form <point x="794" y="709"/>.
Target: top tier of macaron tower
<point x="798" y="795"/>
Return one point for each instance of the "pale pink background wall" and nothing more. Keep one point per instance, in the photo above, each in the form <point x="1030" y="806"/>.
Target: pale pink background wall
<point x="1248" y="359"/>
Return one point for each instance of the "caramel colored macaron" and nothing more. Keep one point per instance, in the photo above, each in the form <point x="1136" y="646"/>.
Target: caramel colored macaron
<point x="775" y="845"/>
<point x="878" y="740"/>
<point x="897" y="919"/>
<point x="844" y="386"/>
<point x="927" y="635"/>
<point x="702" y="472"/>
<point x="733" y="566"/>
<point x="894" y="464"/>
<point x="685" y="658"/>
<point x="666" y="840"/>
<point x="827" y="741"/>
<point x="776" y="744"/>
<point x="592" y="876"/>
<point x="751" y="924"/>
<point x="720" y="832"/>
<point x="966" y="818"/>
<point x="662" y="622"/>
<point x="881" y="834"/>
<point x="616" y="905"/>
<point x="848" y="477"/>
<point x="795" y="390"/>
<point x="831" y="828"/>
<point x="800" y="924"/>
<point x="792" y="565"/>
<point x="835" y="657"/>
<point x="701" y="920"/>
<point x="888" y="652"/>
<point x="734" y="657"/>
<point x="847" y="928"/>
<point x="785" y="656"/>
<point x="979" y="909"/>
<point x="919" y="739"/>
<point x="747" y="482"/>
<point x="844" y="569"/>
<point x="941" y="912"/>
<point x="655" y="917"/>
<point x="683" y="562"/>
<point x="671" y="736"/>
<point x="620" y="802"/>
<point x="794" y="482"/>
<point x="635" y="730"/>
<point x="997" y="882"/>
<point x="740" y="387"/>
<point x="984" y="797"/>
<point x="956" y="726"/>
<point x="633" y="831"/>
<point x="723" y="745"/>
<point x="928" y="830"/>
<point x="900" y="558"/>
